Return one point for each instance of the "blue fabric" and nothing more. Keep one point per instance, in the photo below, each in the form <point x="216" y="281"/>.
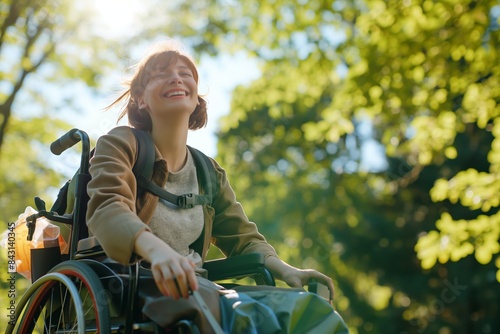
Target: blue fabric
<point x="278" y="310"/>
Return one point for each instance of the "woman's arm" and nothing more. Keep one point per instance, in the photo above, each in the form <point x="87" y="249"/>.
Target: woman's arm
<point x="234" y="234"/>
<point x="111" y="212"/>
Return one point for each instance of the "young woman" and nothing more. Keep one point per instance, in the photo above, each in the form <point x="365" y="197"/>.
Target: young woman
<point x="162" y="98"/>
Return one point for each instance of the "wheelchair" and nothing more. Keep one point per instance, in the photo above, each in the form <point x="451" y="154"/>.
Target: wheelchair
<point x="83" y="292"/>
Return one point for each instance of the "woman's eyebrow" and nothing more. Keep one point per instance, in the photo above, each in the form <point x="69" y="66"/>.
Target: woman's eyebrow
<point x="179" y="67"/>
<point x="183" y="67"/>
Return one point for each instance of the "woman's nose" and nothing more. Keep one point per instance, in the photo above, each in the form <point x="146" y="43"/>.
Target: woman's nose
<point x="175" y="78"/>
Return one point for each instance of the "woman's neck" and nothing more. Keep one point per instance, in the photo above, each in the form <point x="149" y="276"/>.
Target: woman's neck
<point x="172" y="141"/>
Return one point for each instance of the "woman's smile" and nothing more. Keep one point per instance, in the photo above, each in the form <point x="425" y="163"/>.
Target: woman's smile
<point x="175" y="93"/>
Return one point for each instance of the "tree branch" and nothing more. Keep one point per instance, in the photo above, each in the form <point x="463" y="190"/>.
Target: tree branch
<point x="11" y="19"/>
<point x="6" y="107"/>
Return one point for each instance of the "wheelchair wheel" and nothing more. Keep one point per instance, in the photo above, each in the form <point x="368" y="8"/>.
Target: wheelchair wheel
<point x="69" y="299"/>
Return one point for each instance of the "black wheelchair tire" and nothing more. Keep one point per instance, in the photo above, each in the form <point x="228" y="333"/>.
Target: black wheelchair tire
<point x="81" y="293"/>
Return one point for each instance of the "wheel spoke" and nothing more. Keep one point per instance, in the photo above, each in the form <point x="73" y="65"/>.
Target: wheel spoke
<point x="37" y="323"/>
<point x="51" y="310"/>
<point x="62" y="302"/>
<point x="84" y="295"/>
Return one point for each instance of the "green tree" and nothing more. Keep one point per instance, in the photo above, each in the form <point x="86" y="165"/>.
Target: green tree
<point x="50" y="41"/>
<point x="359" y="228"/>
<point x="47" y="48"/>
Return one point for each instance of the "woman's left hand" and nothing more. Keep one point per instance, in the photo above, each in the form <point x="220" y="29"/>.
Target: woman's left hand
<point x="297" y="278"/>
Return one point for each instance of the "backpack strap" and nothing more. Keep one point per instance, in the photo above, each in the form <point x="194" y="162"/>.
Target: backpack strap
<point x="143" y="171"/>
<point x="143" y="167"/>
<point x="206" y="173"/>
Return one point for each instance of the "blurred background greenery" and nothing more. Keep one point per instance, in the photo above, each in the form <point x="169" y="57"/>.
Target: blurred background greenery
<point x="368" y="148"/>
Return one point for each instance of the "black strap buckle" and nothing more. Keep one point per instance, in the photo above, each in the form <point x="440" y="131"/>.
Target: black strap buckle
<point x="186" y="201"/>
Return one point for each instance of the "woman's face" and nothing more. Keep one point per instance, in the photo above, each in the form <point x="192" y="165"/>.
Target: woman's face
<point x="170" y="92"/>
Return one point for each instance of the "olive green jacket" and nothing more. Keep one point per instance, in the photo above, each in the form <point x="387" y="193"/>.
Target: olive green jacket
<point x="115" y="216"/>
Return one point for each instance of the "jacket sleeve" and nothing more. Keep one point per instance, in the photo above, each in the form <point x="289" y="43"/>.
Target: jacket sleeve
<point x="232" y="232"/>
<point x="111" y="213"/>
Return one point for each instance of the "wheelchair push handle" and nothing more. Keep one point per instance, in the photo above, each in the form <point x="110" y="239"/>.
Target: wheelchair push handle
<point x="321" y="290"/>
<point x="69" y="139"/>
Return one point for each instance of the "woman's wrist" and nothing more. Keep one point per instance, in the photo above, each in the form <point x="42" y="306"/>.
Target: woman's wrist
<point x="146" y="244"/>
<point x="279" y="269"/>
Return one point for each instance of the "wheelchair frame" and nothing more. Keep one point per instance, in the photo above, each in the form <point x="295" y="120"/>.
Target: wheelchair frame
<point x="71" y="297"/>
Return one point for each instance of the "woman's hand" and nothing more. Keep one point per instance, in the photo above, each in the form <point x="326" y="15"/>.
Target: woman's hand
<point x="294" y="277"/>
<point x="173" y="273"/>
<point x="300" y="277"/>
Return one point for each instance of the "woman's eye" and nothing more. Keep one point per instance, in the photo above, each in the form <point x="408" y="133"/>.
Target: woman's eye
<point x="186" y="74"/>
<point x="159" y="77"/>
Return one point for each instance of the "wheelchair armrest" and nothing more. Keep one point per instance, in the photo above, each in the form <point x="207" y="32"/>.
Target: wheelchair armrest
<point x="89" y="248"/>
<point x="251" y="265"/>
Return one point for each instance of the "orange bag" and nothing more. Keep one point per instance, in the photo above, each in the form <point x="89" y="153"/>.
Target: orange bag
<point x="46" y="235"/>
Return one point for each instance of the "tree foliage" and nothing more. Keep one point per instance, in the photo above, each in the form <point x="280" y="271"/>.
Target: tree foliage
<point x="47" y="49"/>
<point x="46" y="46"/>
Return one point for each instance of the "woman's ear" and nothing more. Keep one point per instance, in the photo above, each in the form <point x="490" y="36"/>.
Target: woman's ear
<point x="141" y="103"/>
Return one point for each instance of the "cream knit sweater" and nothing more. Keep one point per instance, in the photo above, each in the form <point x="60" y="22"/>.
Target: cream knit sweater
<point x="180" y="227"/>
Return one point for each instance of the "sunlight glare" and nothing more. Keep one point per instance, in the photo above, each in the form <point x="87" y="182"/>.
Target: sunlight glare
<point x="116" y="17"/>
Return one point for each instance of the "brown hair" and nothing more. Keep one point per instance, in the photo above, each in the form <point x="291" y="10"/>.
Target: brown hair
<point x="160" y="57"/>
